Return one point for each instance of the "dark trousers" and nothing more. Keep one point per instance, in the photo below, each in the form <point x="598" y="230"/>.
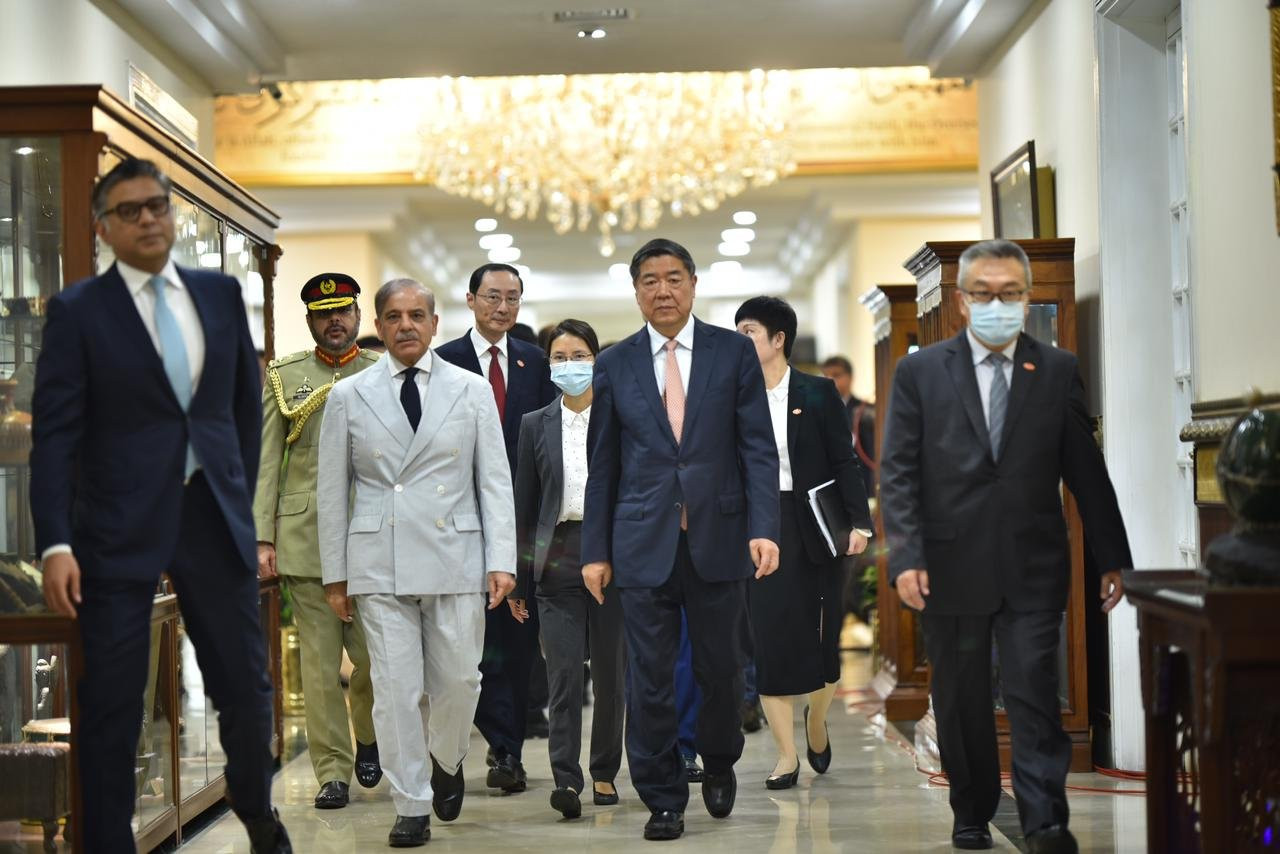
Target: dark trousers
<point x="717" y="614"/>
<point x="959" y="649"/>
<point x="687" y="697"/>
<point x="218" y="597"/>
<point x="569" y="616"/>
<point x="502" y="709"/>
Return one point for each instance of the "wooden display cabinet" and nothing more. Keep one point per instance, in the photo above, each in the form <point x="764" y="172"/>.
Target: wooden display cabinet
<point x="902" y="677"/>
<point x="54" y="143"/>
<point x="1052" y="321"/>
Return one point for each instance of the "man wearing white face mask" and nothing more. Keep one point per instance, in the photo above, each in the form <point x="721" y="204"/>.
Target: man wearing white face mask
<point x="982" y="430"/>
<point x="550" y="486"/>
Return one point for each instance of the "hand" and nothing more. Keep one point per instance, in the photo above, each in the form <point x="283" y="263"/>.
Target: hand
<point x="764" y="554"/>
<point x="266" y="560"/>
<point x="336" y="595"/>
<point x="596" y="577"/>
<point x="62" y="583"/>
<point x="500" y="584"/>
<point x="519" y="609"/>
<point x="1112" y="590"/>
<point x="857" y="543"/>
<point x="913" y="587"/>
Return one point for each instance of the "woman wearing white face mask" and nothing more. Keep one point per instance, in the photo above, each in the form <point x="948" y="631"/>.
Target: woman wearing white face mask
<point x="551" y="480"/>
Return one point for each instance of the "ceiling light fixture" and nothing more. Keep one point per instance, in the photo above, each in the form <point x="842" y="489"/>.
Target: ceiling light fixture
<point x="580" y="150"/>
<point x="504" y="255"/>
<point x="486" y="224"/>
<point x="738" y="235"/>
<point x="620" y="272"/>
<point x="726" y="268"/>
<point x="731" y="249"/>
<point x="496" y="241"/>
<point x="744" y="218"/>
<point x="24" y="150"/>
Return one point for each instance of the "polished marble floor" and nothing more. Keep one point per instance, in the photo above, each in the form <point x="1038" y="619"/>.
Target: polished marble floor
<point x="873" y="799"/>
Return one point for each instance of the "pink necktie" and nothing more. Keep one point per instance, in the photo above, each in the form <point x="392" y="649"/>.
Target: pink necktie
<point x="673" y="397"/>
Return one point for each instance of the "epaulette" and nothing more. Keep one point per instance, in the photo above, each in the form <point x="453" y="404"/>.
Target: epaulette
<point x="289" y="359"/>
<point x="370" y="355"/>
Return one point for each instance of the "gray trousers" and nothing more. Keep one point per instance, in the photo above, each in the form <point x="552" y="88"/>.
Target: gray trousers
<point x="571" y="621"/>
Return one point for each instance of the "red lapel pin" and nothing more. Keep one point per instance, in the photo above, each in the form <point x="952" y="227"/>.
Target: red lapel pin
<point x="1028" y="366"/>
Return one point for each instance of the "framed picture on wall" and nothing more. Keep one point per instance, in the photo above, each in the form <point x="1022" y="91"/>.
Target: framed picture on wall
<point x="1022" y="196"/>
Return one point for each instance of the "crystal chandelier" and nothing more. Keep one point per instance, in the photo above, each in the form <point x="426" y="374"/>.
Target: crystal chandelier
<point x="619" y="149"/>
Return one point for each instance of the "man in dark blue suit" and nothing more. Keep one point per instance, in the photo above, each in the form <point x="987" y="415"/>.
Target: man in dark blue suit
<point x="681" y="508"/>
<point x="145" y="440"/>
<point x="521" y="381"/>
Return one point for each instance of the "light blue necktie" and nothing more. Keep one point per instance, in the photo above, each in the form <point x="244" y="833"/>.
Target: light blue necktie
<point x="173" y="352"/>
<point x="998" y="403"/>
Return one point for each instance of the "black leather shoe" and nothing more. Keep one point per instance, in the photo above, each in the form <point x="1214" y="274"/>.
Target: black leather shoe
<point x="489" y="758"/>
<point x="971" y="838"/>
<point x="819" y="762"/>
<point x="410" y="831"/>
<point x="752" y="717"/>
<point x="508" y="775"/>
<point x="1054" y="839"/>
<point x="601" y="799"/>
<point x="692" y="770"/>
<point x="267" y="835"/>
<point x="718" y="793"/>
<point x="333" y="795"/>
<point x="779" y="781"/>
<point x="536" y="725"/>
<point x="567" y="802"/>
<point x="368" y="767"/>
<point x="446" y="791"/>
<point x="664" y="825"/>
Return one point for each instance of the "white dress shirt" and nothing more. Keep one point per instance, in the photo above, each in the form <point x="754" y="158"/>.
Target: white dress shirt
<point x="178" y="299"/>
<point x="985" y="372"/>
<point x="420" y="378"/>
<point x="684" y="355"/>
<point x="482" y="354"/>
<point x="778" y="396"/>
<point x="573" y="451"/>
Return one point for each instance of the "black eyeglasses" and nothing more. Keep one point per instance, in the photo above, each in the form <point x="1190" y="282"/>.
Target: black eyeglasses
<point x="130" y="211"/>
<point x="984" y="297"/>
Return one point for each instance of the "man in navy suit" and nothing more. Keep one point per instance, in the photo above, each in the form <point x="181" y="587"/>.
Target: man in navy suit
<point x="521" y="381"/>
<point x="145" y="437"/>
<point x="681" y="509"/>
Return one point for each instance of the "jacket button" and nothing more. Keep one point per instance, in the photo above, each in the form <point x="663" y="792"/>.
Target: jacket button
<point x="677" y="505"/>
<point x="439" y="490"/>
<point x="455" y="452"/>
<point x="439" y="523"/>
<point x="376" y="453"/>
<point x="399" y="487"/>
<point x="392" y="521"/>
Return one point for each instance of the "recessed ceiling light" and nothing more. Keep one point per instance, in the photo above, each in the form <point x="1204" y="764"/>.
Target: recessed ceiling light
<point x="595" y="33"/>
<point x="24" y="150"/>
<point x="504" y="255"/>
<point x="496" y="241"/>
<point x="620" y="272"/>
<point x="726" y="268"/>
<point x="744" y="218"/>
<point x="486" y="224"/>
<point x="731" y="249"/>
<point x="738" y="235"/>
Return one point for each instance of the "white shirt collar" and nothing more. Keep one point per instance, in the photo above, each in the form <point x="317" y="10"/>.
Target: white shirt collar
<point x="482" y="346"/>
<point x="980" y="351"/>
<point x="135" y="280"/>
<point x="395" y="366"/>
<point x="684" y="337"/>
<point x="780" y="391"/>
<point x="568" y="416"/>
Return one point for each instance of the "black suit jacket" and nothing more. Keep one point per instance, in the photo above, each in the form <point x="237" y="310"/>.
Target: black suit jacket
<point x="108" y="452"/>
<point x="989" y="531"/>
<point x="528" y="380"/>
<point x="539" y="491"/>
<point x="820" y="448"/>
<point x="724" y="469"/>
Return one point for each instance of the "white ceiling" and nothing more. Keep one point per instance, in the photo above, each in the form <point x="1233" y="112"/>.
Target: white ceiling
<point x="235" y="44"/>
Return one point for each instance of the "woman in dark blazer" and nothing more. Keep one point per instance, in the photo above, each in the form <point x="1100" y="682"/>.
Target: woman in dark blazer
<point x="797" y="611"/>
<point x="550" y="485"/>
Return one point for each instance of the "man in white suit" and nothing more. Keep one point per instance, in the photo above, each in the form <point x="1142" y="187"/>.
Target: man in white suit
<point x="416" y="522"/>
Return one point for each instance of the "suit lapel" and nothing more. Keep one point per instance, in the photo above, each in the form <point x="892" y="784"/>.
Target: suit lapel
<point x="119" y="303"/>
<point x="960" y="366"/>
<point x="1026" y="358"/>
<point x="704" y="345"/>
<point x="796" y="404"/>
<point x="443" y="392"/>
<point x="641" y="361"/>
<point x="379" y="392"/>
<point x="517" y="379"/>
<point x="468" y="357"/>
<point x="553" y="446"/>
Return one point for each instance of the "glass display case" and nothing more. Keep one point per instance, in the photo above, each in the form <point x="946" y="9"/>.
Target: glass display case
<point x="54" y="143"/>
<point x="1052" y="320"/>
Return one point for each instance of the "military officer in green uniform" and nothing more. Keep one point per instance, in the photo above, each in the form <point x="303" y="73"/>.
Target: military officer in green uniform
<point x="284" y="511"/>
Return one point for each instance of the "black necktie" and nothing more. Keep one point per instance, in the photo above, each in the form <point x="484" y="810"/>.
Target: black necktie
<point x="410" y="399"/>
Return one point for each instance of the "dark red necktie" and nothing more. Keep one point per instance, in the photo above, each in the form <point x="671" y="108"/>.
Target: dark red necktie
<point x="499" y="384"/>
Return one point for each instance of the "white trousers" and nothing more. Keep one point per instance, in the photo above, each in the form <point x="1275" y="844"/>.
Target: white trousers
<point x="424" y="656"/>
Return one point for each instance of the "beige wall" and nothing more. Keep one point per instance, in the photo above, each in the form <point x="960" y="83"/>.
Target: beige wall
<point x="1235" y="253"/>
<point x="306" y="255"/>
<point x="61" y="42"/>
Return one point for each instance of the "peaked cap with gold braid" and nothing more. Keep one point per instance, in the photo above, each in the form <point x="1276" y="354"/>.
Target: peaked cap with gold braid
<point x="329" y="291"/>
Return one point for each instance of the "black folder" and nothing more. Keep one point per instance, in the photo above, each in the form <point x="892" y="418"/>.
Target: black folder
<point x="827" y="505"/>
